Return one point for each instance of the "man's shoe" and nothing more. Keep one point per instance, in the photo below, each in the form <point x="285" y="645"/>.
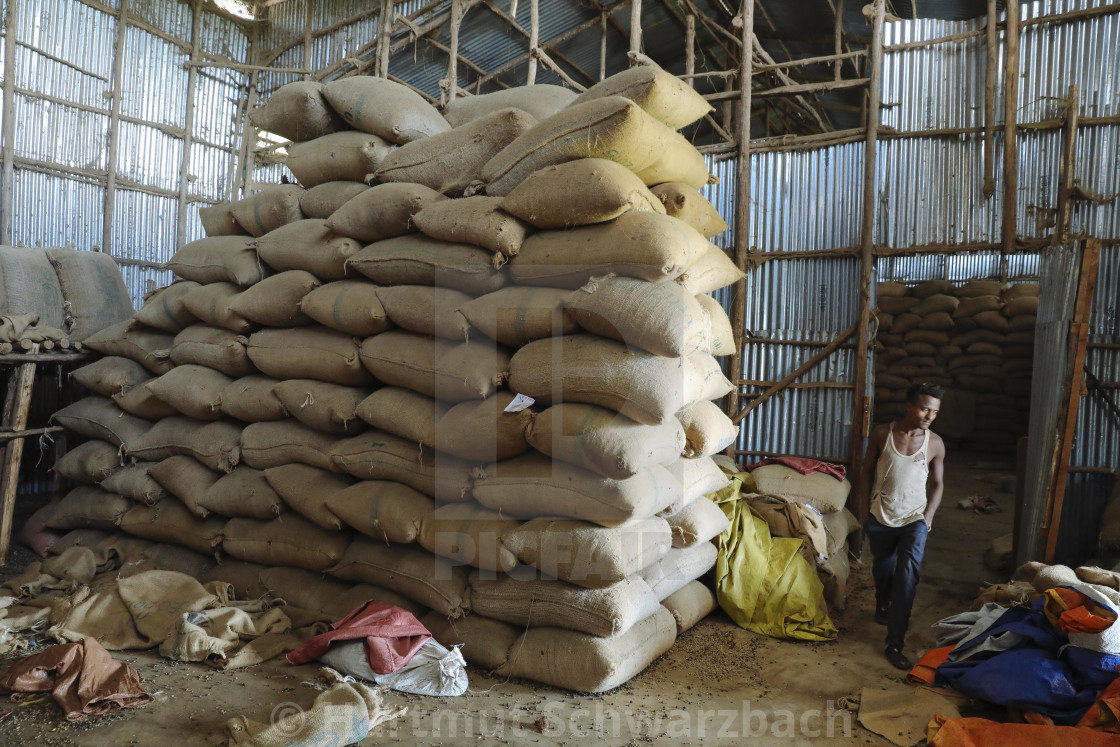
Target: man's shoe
<point x="882" y="613"/>
<point x="898" y="659"/>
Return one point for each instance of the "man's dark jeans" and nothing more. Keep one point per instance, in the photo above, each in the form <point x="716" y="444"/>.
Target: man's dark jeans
<point x="897" y="554"/>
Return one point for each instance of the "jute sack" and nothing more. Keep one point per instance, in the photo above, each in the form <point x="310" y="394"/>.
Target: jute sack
<point x="697" y="477"/>
<point x="710" y="272"/>
<point x="722" y="336"/>
<point x="679" y="161"/>
<point x="690" y="604"/>
<point x="446" y="370"/>
<point x="330" y="408"/>
<point x="316" y="592"/>
<point x="470" y="535"/>
<point x="29" y="284"/>
<point x="517" y="315"/>
<point x="133" y="482"/>
<point x="387" y="511"/>
<point x="273" y="444"/>
<point x="346" y="156"/>
<point x="485" y="642"/>
<point x="322" y="200"/>
<point x="163" y="556"/>
<point x="928" y="336"/>
<point x="170" y="521"/>
<point x="210" y="305"/>
<point x="306" y="489"/>
<point x="288" y="540"/>
<point x="938" y="320"/>
<point x="349" y="306"/>
<point x="973" y="360"/>
<point x="979" y="335"/>
<point x="419" y="260"/>
<point x="403" y="412"/>
<point x="417" y="574"/>
<point x="533" y="485"/>
<point x="673" y="570"/>
<point x="919" y="349"/>
<point x="187" y="479"/>
<point x="165" y="309"/>
<point x="992" y="321"/>
<point x="140" y="401"/>
<point x="579" y="193"/>
<point x="893" y="290"/>
<point x="426" y="310"/>
<point x="93" y="290"/>
<point x="483" y="431"/>
<point x="110" y="375"/>
<point x="683" y="202"/>
<point x="230" y="259"/>
<point x="662" y="318"/>
<point x="707" y="429"/>
<point x="588" y="555"/>
<point x="1020" y="290"/>
<point x="308" y="245"/>
<point x="612" y="127"/>
<point x="699" y="521"/>
<point x="308" y="353"/>
<point x="1022" y="322"/>
<point x="99" y="418"/>
<point x="88" y="507"/>
<point x="217" y="220"/>
<point x="473" y="220"/>
<point x="974" y="288"/>
<point x="603" y="441"/>
<point x="647" y="246"/>
<point x="975" y="304"/>
<point x="89" y="463"/>
<point x="243" y="493"/>
<point x="297" y="111"/>
<point x="934" y="303"/>
<point x="932" y="287"/>
<point x="251" y="400"/>
<point x="536" y="602"/>
<point x="540" y="101"/>
<point x="128" y="340"/>
<point x="823" y="492"/>
<point x="382" y="212"/>
<point x="382" y="107"/>
<point x="897" y="304"/>
<point x="1025" y="337"/>
<point x="374" y="455"/>
<point x="240" y="576"/>
<point x="216" y="444"/>
<point x="450" y="161"/>
<point x="274" y="302"/>
<point x="586" y="663"/>
<point x="985" y="348"/>
<point x="194" y="391"/>
<point x="220" y="349"/>
<point x="664" y="96"/>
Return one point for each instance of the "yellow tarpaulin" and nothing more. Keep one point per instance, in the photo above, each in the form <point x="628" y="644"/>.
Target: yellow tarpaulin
<point x="764" y="583"/>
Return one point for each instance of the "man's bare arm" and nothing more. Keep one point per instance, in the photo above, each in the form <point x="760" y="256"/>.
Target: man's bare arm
<point x="866" y="479"/>
<point x="936" y="485"/>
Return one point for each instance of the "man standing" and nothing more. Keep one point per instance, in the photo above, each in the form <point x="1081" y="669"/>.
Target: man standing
<point x="900" y="490"/>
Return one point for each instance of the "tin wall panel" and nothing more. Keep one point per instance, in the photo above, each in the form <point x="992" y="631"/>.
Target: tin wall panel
<point x="173" y="18"/>
<point x="212" y="170"/>
<point x="69" y="31"/>
<point x="154" y="79"/>
<point x="222" y="36"/>
<point x="49" y="210"/>
<point x="144" y="226"/>
<point x="141" y="280"/>
<point x="217" y="103"/>
<point x="149" y="156"/>
<point x="59" y="134"/>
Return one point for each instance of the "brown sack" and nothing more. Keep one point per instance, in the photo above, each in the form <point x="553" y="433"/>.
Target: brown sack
<point x="934" y="303"/>
<point x="274" y="302"/>
<point x="690" y="604"/>
<point x="426" y="310"/>
<point x="974" y="288"/>
<point x="347" y="156"/>
<point x="243" y="493"/>
<point x="128" y="340"/>
<point x="707" y="429"/>
<point x="822" y="491"/>
<point x="306" y="490"/>
<point x="210" y="305"/>
<point x="317" y="592"/>
<point x="975" y="304"/>
<point x="187" y="479"/>
<point x="722" y="335"/>
<point x="684" y="203"/>
<point x="140" y="401"/>
<point x="251" y="399"/>
<point x="89" y="462"/>
<point x="712" y="271"/>
<point x="272" y="207"/>
<point x="384" y="108"/>
<point x="170" y="521"/>
<point x="403" y="412"/>
<point x="297" y="111"/>
<point x="312" y="352"/>
<point x="29" y="284"/>
<point x="99" y="418"/>
<point x="382" y="212"/>
<point x="374" y="455"/>
<point x="219" y="349"/>
<point x="473" y="220"/>
<point x="541" y="101"/>
<point x="216" y="444"/>
<point x="194" y="391"/>
<point x="321" y="201"/>
<point x="483" y="431"/>
<point x="325" y="407"/>
<point x="93" y="291"/>
<point x="229" y="259"/>
<point x="91" y="508"/>
<point x="699" y="521"/>
<point x="165" y="309"/>
<point x="349" y="306"/>
<point x="287" y="541"/>
<point x="517" y="315"/>
<point x="419" y="260"/>
<point x="133" y="482"/>
<point x="273" y="444"/>
<point x="217" y="220"/>
<point x="678" y="161"/>
<point x="664" y="96"/>
<point x="438" y="368"/>
<point x="417" y="574"/>
<point x="308" y="245"/>
<point x="110" y="375"/>
<point x="469" y="534"/>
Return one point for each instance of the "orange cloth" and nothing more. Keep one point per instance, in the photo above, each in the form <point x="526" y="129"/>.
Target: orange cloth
<point x="980" y="732"/>
<point x="1072" y="612"/>
<point x="926" y="668"/>
<point x="1104" y="715"/>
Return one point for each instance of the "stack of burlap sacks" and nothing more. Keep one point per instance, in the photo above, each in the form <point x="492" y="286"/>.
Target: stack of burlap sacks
<point x="976" y="340"/>
<point x="338" y="383"/>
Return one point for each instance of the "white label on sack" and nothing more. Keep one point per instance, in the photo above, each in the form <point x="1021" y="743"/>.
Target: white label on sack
<point x="520" y="402"/>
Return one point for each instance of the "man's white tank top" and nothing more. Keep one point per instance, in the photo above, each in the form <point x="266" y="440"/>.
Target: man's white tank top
<point x="899" y="497"/>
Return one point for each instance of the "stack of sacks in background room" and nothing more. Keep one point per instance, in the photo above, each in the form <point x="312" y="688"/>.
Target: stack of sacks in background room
<point x="341" y="381"/>
<point x="976" y="340"/>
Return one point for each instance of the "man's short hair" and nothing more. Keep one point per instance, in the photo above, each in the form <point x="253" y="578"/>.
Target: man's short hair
<point x="924" y="388"/>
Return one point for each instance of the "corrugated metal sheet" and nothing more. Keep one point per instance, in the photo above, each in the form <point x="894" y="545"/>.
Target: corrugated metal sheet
<point x="55" y="211"/>
<point x="60" y="134"/>
<point x="143" y="225"/>
<point x="154" y="80"/>
<point x="73" y="32"/>
<point x="174" y="18"/>
<point x="149" y="156"/>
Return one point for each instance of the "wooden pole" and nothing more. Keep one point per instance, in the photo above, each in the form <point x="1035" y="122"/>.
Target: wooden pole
<point x="534" y="39"/>
<point x="384" y="38"/>
<point x="1010" y="127"/>
<point x="188" y="135"/>
<point x="689" y="49"/>
<point x="307" y="38"/>
<point x="861" y="406"/>
<point x="990" y="101"/>
<point x="250" y="133"/>
<point x="603" y="47"/>
<point x="453" y="52"/>
<point x="16" y="409"/>
<point x="109" y="203"/>
<point x="635" y="27"/>
<point x="838" y="32"/>
<point x="7" y="188"/>
<point x="1068" y="166"/>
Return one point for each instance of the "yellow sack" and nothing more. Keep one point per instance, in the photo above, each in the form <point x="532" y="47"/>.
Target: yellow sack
<point x="764" y="583"/>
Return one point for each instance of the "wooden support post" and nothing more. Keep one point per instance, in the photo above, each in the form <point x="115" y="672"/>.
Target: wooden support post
<point x="1068" y="166"/>
<point x="16" y="408"/>
<point x="603" y="46"/>
<point x="1010" y="129"/>
<point x="384" y="38"/>
<point x="689" y="49"/>
<point x="249" y="133"/>
<point x="990" y="101"/>
<point x="838" y="32"/>
<point x="109" y="203"/>
<point x="188" y="134"/>
<point x="534" y="40"/>
<point x="7" y="187"/>
<point x="453" y="52"/>
<point x="861" y="405"/>
<point x="635" y="27"/>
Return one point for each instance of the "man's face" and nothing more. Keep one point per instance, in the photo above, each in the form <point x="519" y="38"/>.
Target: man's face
<point x="924" y="411"/>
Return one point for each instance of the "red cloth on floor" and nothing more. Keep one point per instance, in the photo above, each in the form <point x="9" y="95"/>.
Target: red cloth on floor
<point x="926" y="668"/>
<point x="804" y="465"/>
<point x="392" y="637"/>
<point x="1104" y="715"/>
<point x="82" y="677"/>
<point x="980" y="732"/>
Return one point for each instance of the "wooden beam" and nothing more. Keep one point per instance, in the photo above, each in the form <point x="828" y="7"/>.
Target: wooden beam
<point x="384" y="38"/>
<point x="552" y="52"/>
<point x="1067" y="167"/>
<point x="990" y="100"/>
<point x="8" y="135"/>
<point x="16" y="409"/>
<point x="837" y="59"/>
<point x="603" y="46"/>
<point x="534" y="40"/>
<point x="796" y="89"/>
<point x="109" y="203"/>
<point x="1010" y="124"/>
<point x="308" y="14"/>
<point x="838" y="34"/>
<point x="188" y="135"/>
<point x="689" y="49"/>
<point x="457" y="11"/>
<point x="636" y="26"/>
<point x="250" y="133"/>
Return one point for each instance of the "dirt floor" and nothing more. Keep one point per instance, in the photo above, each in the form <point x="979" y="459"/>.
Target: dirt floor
<point x="718" y="683"/>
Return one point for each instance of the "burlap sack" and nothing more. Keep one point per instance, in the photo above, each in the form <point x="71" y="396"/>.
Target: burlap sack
<point x="297" y="111"/>
<point x="483" y="431"/>
<point x="216" y="444"/>
<point x="603" y="441"/>
<point x="91" y="508"/>
<point x="217" y="220"/>
<point x="473" y="220"/>
<point x="243" y="493"/>
<point x="419" y="260"/>
<point x="133" y="482"/>
<point x="707" y="429"/>
<point x="426" y="310"/>
<point x="684" y="203"/>
<point x="533" y="485"/>
<point x="974" y="288"/>
<point x="210" y="305"/>
<point x="99" y="418"/>
<point x="170" y="521"/>
<point x="382" y="212"/>
<point x="329" y="408"/>
<point x="979" y="335"/>
<point x="1022" y="322"/>
<point x="403" y="412"/>
<point x="273" y="206"/>
<point x="690" y="604"/>
<point x="985" y="348"/>
<point x="897" y="304"/>
<point x="469" y="534"/>
<point x="939" y="320"/>
<point x="194" y="391"/>
<point x="274" y="444"/>
<point x="647" y="246"/>
<point x="347" y="156"/>
<point x="89" y="463"/>
<point x="242" y="576"/>
<point x="663" y="95"/>
<point x="387" y="511"/>
<point x="485" y="642"/>
<point x="891" y="290"/>
<point x="384" y="108"/>
<point x="934" y="303"/>
<point x="516" y="316"/>
<point x="308" y="245"/>
<point x="220" y="349"/>
<point x="187" y="479"/>
<point x="823" y="492"/>
<point x="712" y="271"/>
<point x="312" y="352"/>
<point x="929" y="336"/>
<point x="374" y="455"/>
<point x="932" y="287"/>
<point x="978" y="383"/>
<point x="349" y="306"/>
<point x="110" y="375"/>
<point x="677" y="567"/>
<point x="450" y="161"/>
<point x="699" y="521"/>
<point x="975" y="304"/>
<point x="1021" y="290"/>
<point x="678" y="161"/>
<point x="140" y="401"/>
<point x="317" y="592"/>
<point x="918" y="349"/>
<point x="274" y="302"/>
<point x="417" y="574"/>
<point x="905" y="322"/>
<point x="288" y="540"/>
<point x="992" y="320"/>
<point x="165" y="309"/>
<point x="970" y="361"/>
<point x="229" y="259"/>
<point x="149" y="349"/>
<point x="321" y="201"/>
<point x="29" y="284"/>
<point x="251" y="400"/>
<point x="721" y="335"/>
<point x="540" y="101"/>
<point x="438" y="368"/>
